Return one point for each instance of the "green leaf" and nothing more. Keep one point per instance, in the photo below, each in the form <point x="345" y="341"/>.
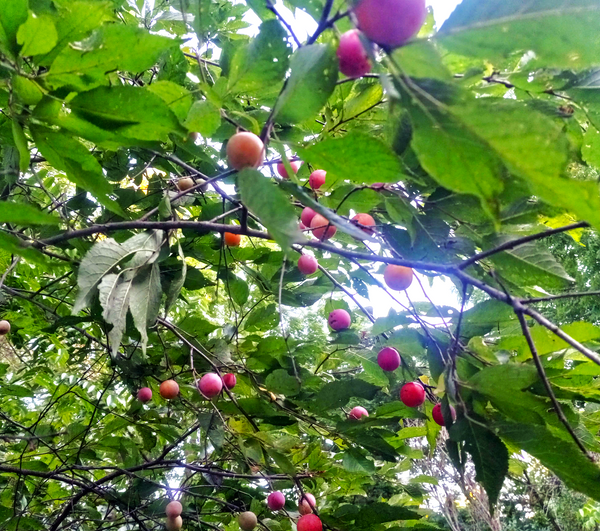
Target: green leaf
<point x="496" y="28"/>
<point x="421" y="60"/>
<point x="115" y="290"/>
<point x="311" y="82"/>
<point x="37" y="35"/>
<point x="132" y="112"/>
<point x="354" y="461"/>
<point x="488" y="452"/>
<point x="21" y="143"/>
<point x="559" y="455"/>
<point x="178" y="282"/>
<point x="204" y="118"/>
<point x="353" y="157"/>
<point x="379" y="513"/>
<point x="238" y="289"/>
<point x="13" y="13"/>
<point x="13" y="245"/>
<point x="530" y="264"/>
<point x="282" y="383"/>
<point x="286" y="466"/>
<point x="263" y="63"/>
<point x="265" y="199"/>
<point x="144" y="300"/>
<point x="337" y="394"/>
<point x="178" y="98"/>
<point x="25" y="214"/>
<point x="72" y="157"/>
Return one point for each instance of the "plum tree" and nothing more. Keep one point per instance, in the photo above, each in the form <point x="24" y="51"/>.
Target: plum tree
<point x="247" y="521"/>
<point x="353" y="58"/>
<point x="210" y="385"/>
<point x="308" y="264"/>
<point x="438" y="416"/>
<point x="276" y="501"/>
<point x="229" y="380"/>
<point x="231" y="239"/>
<point x="4" y="327"/>
<point x="174" y="524"/>
<point x="317" y="179"/>
<point x="306" y="503"/>
<point x="364" y="220"/>
<point x="412" y="394"/>
<point x="307" y="216"/>
<point x="388" y="359"/>
<point x="144" y="394"/>
<point x="245" y="150"/>
<point x="357" y="412"/>
<point x="309" y="522"/>
<point x="282" y="170"/>
<point x="322" y="228"/>
<point x="169" y="389"/>
<point x="339" y="320"/>
<point x="390" y="23"/>
<point x="398" y="277"/>
<point x="173" y="509"/>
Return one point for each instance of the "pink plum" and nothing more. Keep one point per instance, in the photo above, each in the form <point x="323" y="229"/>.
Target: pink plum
<point x="390" y="23"/>
<point x="283" y="172"/>
<point x="307" y="264"/>
<point x="210" y="385"/>
<point x="317" y="179"/>
<point x="307" y="215"/>
<point x="276" y="501"/>
<point x="356" y="413"/>
<point x="412" y="394"/>
<point x="229" y="380"/>
<point x="388" y="359"/>
<point x="339" y="320"/>
<point x="144" y="394"/>
<point x="306" y="503"/>
<point x="354" y="60"/>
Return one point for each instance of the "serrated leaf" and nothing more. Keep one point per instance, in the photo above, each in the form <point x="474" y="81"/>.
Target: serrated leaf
<point x="144" y="300"/>
<point x="282" y="383"/>
<point x="263" y="63"/>
<point x="337" y="394"/>
<point x="496" y="28"/>
<point x="132" y="112"/>
<point x="37" y="35"/>
<point x="115" y="290"/>
<point x="178" y="98"/>
<point x="114" y="47"/>
<point x="488" y="452"/>
<point x="265" y="199"/>
<point x="314" y="73"/>
<point x="71" y="156"/>
<point x="13" y="13"/>
<point x="531" y="264"/>
<point x="25" y="214"/>
<point x="379" y="513"/>
<point x="354" y="461"/>
<point x="353" y="157"/>
<point x="204" y="118"/>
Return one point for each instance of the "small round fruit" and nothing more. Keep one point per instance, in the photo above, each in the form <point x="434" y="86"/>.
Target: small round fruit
<point x="283" y="172"/>
<point x="229" y="380"/>
<point x="247" y="521"/>
<point x="210" y="385"/>
<point x="231" y="239"/>
<point x="356" y="413"/>
<point x="307" y="216"/>
<point x="245" y="150"/>
<point x="398" y="277"/>
<point x="353" y="58"/>
<point x="169" y="389"/>
<point x="321" y="227"/>
<point x="306" y="503"/>
<point x="390" y="23"/>
<point x="174" y="524"/>
<point x="309" y="522"/>
<point x="317" y="179"/>
<point x="339" y="320"/>
<point x="388" y="359"/>
<point x="185" y="184"/>
<point x="366" y="220"/>
<point x="412" y="394"/>
<point x="4" y="328"/>
<point x="173" y="509"/>
<point x="276" y="501"/>
<point x="438" y="417"/>
<point x="144" y="394"/>
<point x="307" y="264"/>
